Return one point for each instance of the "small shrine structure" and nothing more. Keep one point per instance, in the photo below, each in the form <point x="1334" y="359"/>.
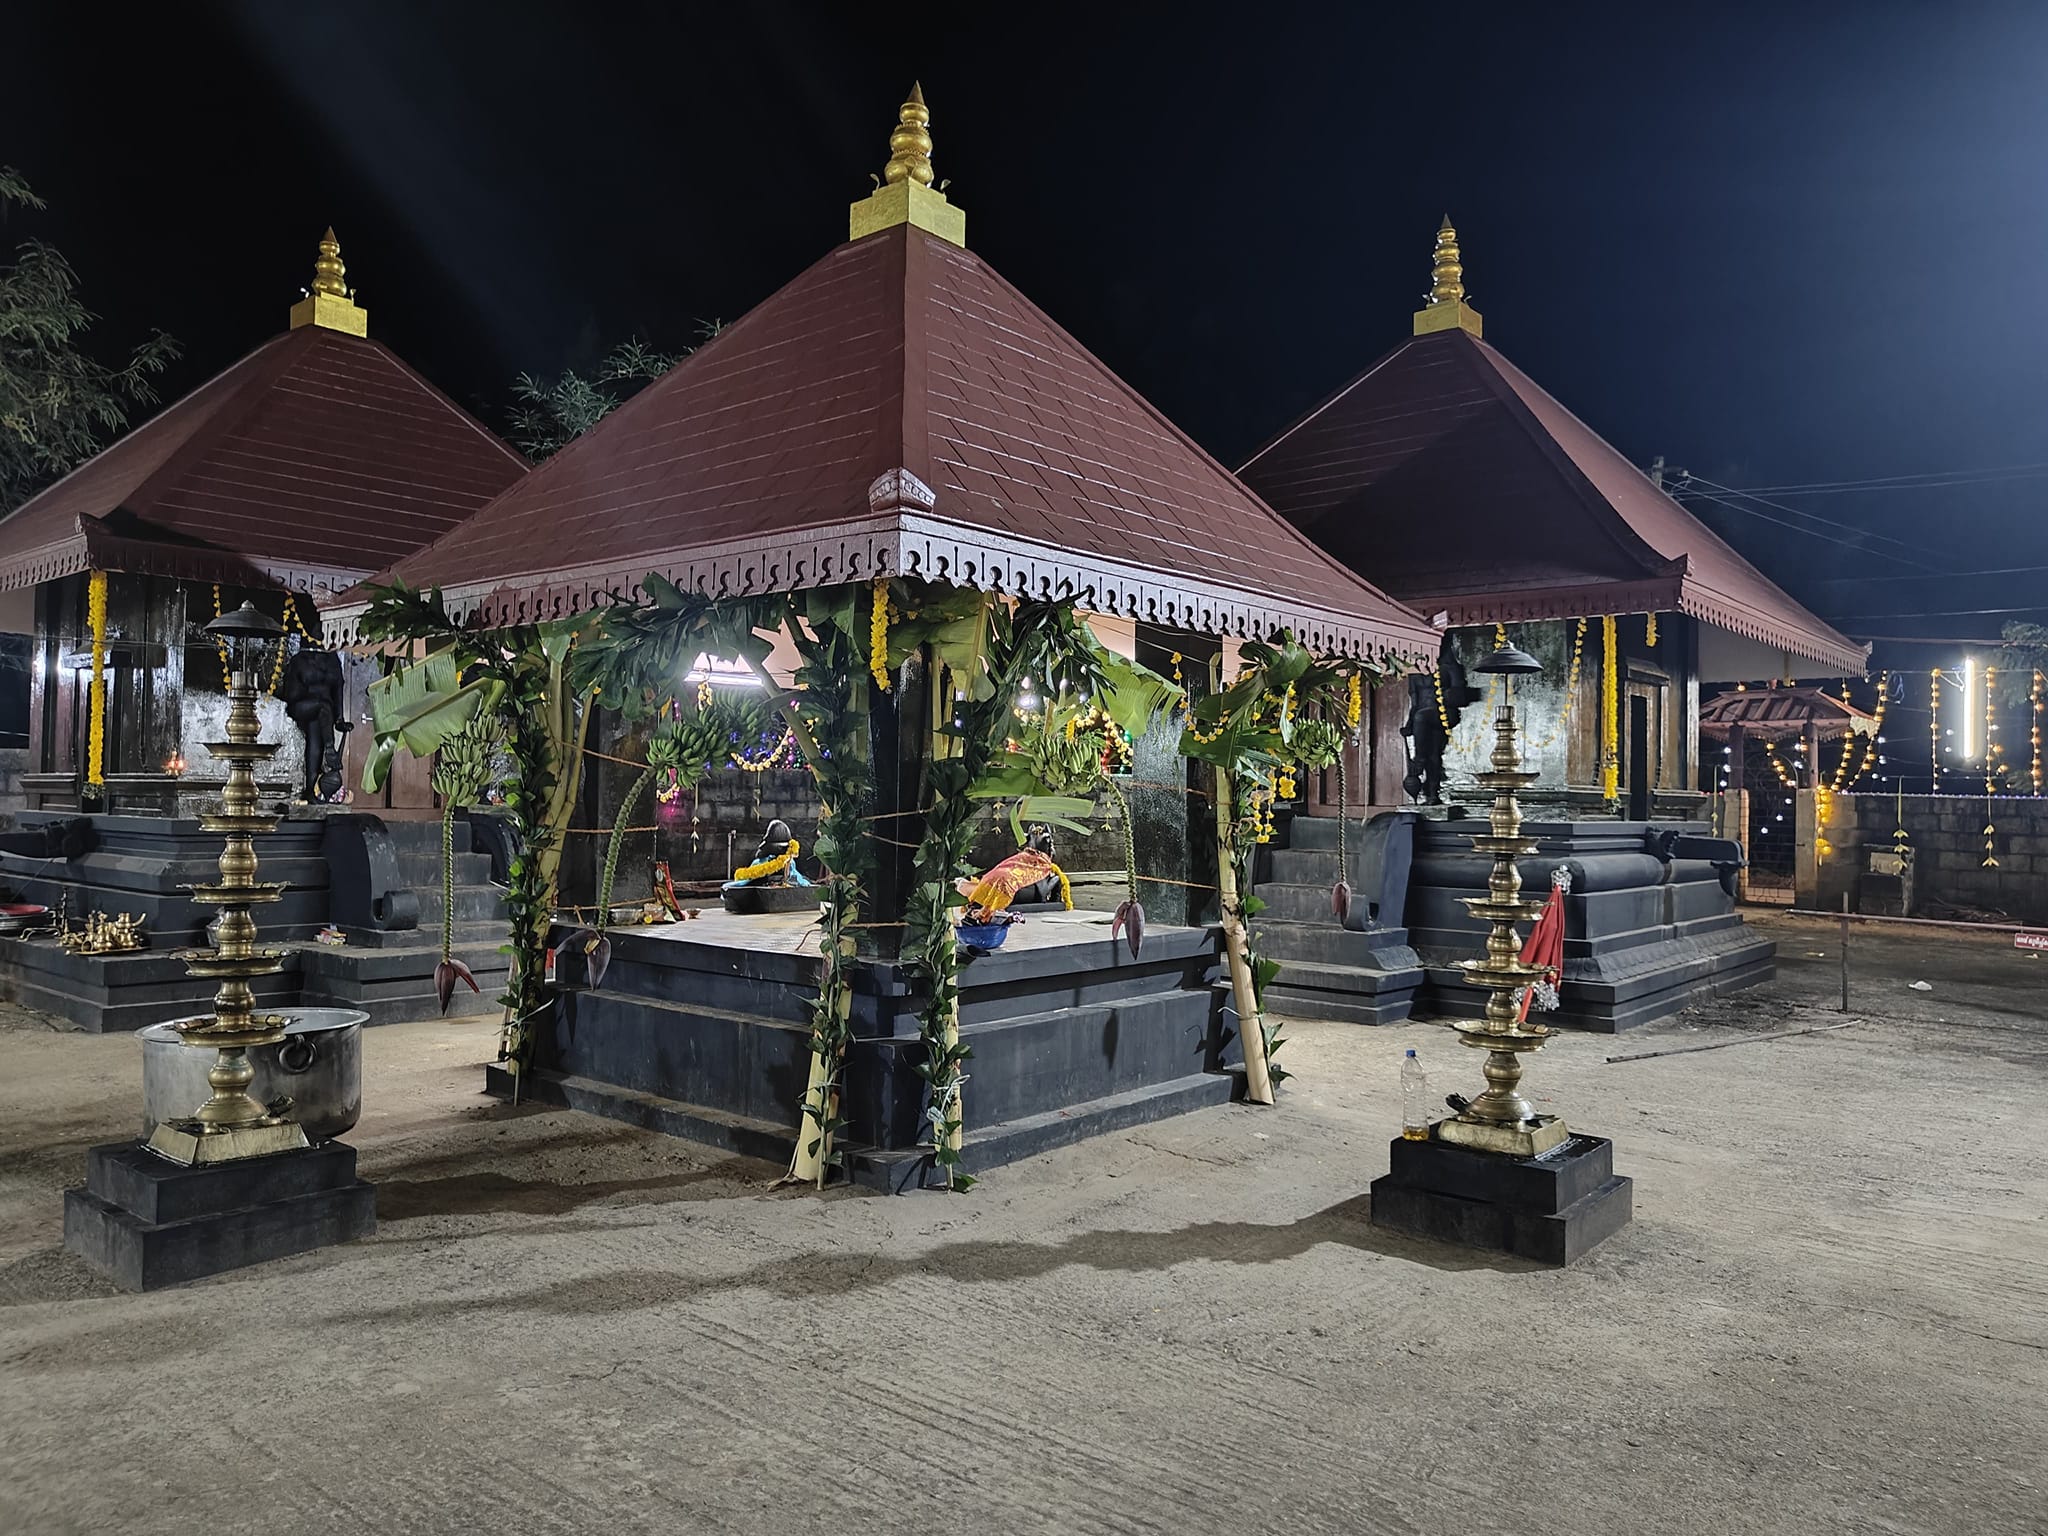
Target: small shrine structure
<point x="1474" y="496"/>
<point x="312" y="462"/>
<point x="897" y="424"/>
<point x="1478" y="499"/>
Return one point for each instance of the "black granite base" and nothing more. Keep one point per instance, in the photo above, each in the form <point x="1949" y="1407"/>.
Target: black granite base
<point x="1650" y="926"/>
<point x="1553" y="1209"/>
<point x="146" y="1222"/>
<point x="694" y="1035"/>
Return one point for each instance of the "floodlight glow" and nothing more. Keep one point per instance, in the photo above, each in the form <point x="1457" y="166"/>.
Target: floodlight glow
<point x="1969" y="742"/>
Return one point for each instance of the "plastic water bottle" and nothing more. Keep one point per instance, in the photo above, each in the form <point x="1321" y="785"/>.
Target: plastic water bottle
<point x="1414" y="1099"/>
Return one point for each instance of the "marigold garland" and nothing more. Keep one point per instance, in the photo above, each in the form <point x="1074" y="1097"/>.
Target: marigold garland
<point x="1610" y="709"/>
<point x="774" y="866"/>
<point x="878" y="635"/>
<point x="96" y="696"/>
<point x="1650" y="631"/>
<point x="1354" y="703"/>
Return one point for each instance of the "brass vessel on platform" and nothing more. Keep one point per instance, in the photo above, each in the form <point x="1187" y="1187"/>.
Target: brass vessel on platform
<point x="231" y="1124"/>
<point x="1500" y="1119"/>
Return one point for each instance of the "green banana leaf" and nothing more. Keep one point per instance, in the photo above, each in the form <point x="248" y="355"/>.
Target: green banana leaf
<point x="418" y="707"/>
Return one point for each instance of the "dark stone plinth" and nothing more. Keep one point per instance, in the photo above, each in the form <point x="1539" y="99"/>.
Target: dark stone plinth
<point x="1552" y="1209"/>
<point x="1647" y="929"/>
<point x="146" y="1222"/>
<point x="751" y="900"/>
<point x="700" y="1031"/>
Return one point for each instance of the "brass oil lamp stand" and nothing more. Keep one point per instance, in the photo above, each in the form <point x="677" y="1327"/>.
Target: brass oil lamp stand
<point x="231" y="1124"/>
<point x="1500" y="1119"/>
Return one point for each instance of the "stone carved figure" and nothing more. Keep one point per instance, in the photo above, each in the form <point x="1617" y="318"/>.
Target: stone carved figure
<point x="1425" y="727"/>
<point x="314" y="696"/>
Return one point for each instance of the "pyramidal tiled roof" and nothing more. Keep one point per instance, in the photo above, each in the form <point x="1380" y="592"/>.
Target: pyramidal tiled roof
<point x="900" y="409"/>
<point x="1468" y="491"/>
<point x="314" y="461"/>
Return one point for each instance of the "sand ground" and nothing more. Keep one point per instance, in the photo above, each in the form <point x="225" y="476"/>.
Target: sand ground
<point x="1830" y="1313"/>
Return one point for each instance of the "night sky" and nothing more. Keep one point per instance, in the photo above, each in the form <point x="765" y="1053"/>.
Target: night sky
<point x="1774" y="250"/>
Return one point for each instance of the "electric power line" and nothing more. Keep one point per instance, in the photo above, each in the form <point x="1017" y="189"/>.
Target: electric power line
<point x="1863" y="534"/>
<point x="1812" y="533"/>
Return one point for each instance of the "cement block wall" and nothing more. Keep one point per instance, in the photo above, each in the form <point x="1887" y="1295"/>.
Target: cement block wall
<point x="1948" y="840"/>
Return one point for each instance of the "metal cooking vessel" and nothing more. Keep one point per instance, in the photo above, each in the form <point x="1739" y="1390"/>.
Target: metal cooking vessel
<point x="319" y="1063"/>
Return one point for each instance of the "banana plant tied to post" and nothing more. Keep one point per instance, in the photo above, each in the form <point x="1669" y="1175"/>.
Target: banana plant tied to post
<point x="1285" y="708"/>
<point x="520" y="676"/>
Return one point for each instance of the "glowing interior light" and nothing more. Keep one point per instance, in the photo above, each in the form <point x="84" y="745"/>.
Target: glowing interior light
<point x="720" y="673"/>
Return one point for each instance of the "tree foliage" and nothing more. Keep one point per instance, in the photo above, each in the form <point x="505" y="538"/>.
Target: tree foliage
<point x="58" y="405"/>
<point x="549" y="414"/>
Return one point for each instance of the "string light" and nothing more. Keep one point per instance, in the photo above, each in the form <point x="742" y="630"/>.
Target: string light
<point x="1869" y="740"/>
<point x="1934" y="727"/>
<point x="2035" y="699"/>
<point x="1994" y="751"/>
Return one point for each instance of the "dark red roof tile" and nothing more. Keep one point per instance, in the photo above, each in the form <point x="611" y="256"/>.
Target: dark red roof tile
<point x="749" y="466"/>
<point x="1467" y="490"/>
<point x="314" y="460"/>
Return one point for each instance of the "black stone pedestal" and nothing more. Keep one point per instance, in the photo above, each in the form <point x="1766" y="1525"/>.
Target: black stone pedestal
<point x="146" y="1222"/>
<point x="1552" y="1208"/>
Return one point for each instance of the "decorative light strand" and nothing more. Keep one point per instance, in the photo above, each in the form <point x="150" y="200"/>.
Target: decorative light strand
<point x="2035" y="734"/>
<point x="1934" y="728"/>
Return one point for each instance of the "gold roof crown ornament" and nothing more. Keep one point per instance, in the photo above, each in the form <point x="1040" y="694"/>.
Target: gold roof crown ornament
<point x="905" y="193"/>
<point x="330" y="303"/>
<point x="1446" y="309"/>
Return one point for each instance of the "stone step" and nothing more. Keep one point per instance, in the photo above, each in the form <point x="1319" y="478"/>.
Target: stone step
<point x="420" y="870"/>
<point x="1325" y="943"/>
<point x="1304" y="866"/>
<point x="988" y="1147"/>
<point x="1319" y="833"/>
<point x="473" y="904"/>
<point x="770" y="1141"/>
<point x="1295" y="903"/>
<point x="1035" y="1063"/>
<point x="728" y="1062"/>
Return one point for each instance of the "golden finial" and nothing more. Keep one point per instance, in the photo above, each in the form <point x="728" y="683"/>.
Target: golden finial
<point x="1447" y="273"/>
<point x="329" y="303"/>
<point x="1446" y="309"/>
<point x="327" y="269"/>
<point x="906" y="194"/>
<point x="910" y="146"/>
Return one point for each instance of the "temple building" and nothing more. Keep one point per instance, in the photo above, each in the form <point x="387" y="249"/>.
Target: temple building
<point x="1479" y="500"/>
<point x="315" y="460"/>
<point x="900" y="410"/>
<point x="1472" y="495"/>
<point x="312" y="462"/>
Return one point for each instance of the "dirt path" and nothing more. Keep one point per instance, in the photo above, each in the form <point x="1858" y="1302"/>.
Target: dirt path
<point x="1831" y="1313"/>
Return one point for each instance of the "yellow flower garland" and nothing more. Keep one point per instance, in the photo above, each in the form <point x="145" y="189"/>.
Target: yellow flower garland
<point x="96" y="696"/>
<point x="878" y="635"/>
<point x="774" y="866"/>
<point x="1354" y="704"/>
<point x="1610" y="709"/>
<point x="1650" y="632"/>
